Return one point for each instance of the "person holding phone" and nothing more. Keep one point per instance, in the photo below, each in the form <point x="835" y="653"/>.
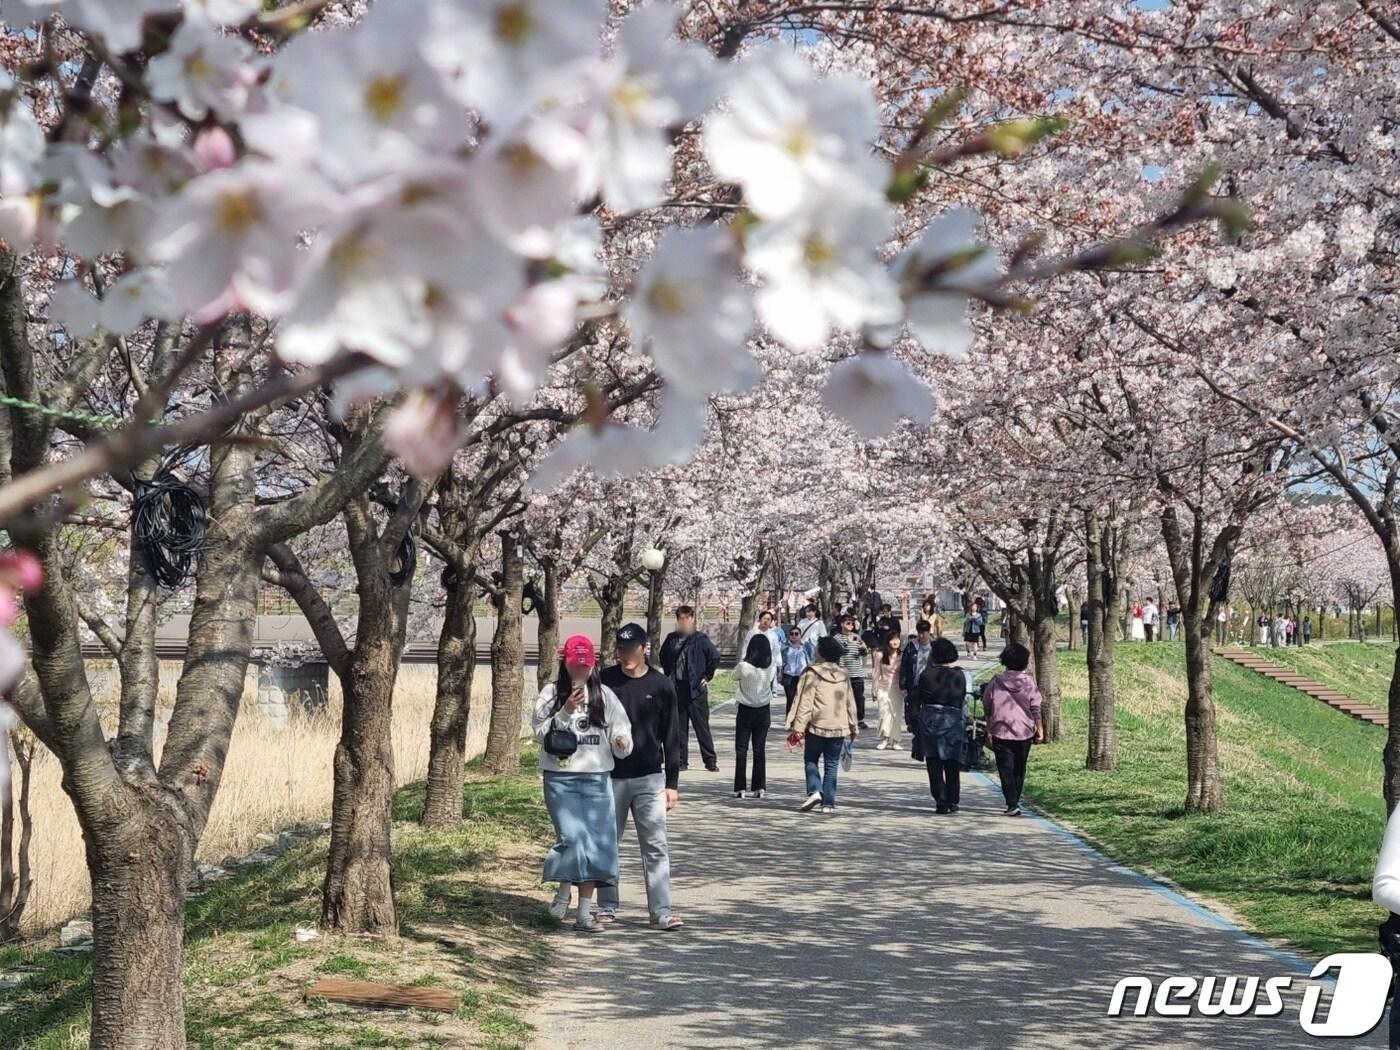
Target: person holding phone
<point x="582" y="728"/>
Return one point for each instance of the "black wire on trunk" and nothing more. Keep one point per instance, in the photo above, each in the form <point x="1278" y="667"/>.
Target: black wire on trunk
<point x="402" y="569"/>
<point x="168" y="522"/>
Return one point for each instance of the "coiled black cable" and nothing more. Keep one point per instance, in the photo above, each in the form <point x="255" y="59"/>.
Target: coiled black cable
<point x="401" y="571"/>
<point x="168" y="522"/>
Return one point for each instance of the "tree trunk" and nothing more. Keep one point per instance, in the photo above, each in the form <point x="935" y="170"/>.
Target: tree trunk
<point x="508" y="664"/>
<point x="1204" y="791"/>
<point x="358" y="895"/>
<point x="656" y="601"/>
<point x="1047" y="676"/>
<point x="612" y="603"/>
<point x="1103" y="741"/>
<point x="547" y="665"/>
<point x="748" y="610"/>
<point x="447" y="743"/>
<point x="138" y="907"/>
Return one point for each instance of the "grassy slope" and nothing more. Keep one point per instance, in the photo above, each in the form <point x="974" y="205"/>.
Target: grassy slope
<point x="1294" y="851"/>
<point x="472" y="918"/>
<point x="1361" y="670"/>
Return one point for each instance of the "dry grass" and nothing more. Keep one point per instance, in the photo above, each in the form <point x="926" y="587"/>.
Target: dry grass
<point x="273" y="778"/>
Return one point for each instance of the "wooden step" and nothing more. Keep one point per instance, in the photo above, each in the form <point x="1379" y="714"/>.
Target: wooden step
<point x="1333" y="698"/>
<point x="397" y="996"/>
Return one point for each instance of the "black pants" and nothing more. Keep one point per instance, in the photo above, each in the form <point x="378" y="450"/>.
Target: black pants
<point x="944" y="781"/>
<point x="751" y="724"/>
<point x="1011" y="767"/>
<point x="695" y="714"/>
<point x="790" y="688"/>
<point x="858" y="688"/>
<point x="1148" y="629"/>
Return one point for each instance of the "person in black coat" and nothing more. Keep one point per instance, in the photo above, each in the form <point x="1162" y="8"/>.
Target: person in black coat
<point x="690" y="660"/>
<point x="938" y="712"/>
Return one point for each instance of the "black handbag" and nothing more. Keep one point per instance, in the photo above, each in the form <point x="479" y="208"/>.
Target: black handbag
<point x="561" y="743"/>
<point x="972" y="754"/>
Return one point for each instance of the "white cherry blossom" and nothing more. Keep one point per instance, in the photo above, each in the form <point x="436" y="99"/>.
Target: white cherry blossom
<point x="203" y="71"/>
<point x="229" y="237"/>
<point x="505" y="57"/>
<point x="873" y="390"/>
<point x="653" y="81"/>
<point x="690" y="312"/>
<point x="789" y="137"/>
<point x="74" y="309"/>
<point x="525" y="185"/>
<point x="936" y="273"/>
<point x="134" y="298"/>
<point x="820" y="271"/>
<point x="21" y="143"/>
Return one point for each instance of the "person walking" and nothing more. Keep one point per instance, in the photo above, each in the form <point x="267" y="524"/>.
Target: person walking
<point x="1307" y="629"/>
<point x="885" y="668"/>
<point x="973" y="627"/>
<point x="795" y="661"/>
<point x="767" y="626"/>
<point x="1137" y="630"/>
<point x="754" y="674"/>
<point x="1012" y="703"/>
<point x="980" y="605"/>
<point x="811" y="630"/>
<point x="853" y="653"/>
<point x="1149" y="619"/>
<point x="1084" y="622"/>
<point x="939" y="713"/>
<point x="646" y="783"/>
<point x="582" y="728"/>
<point x="911" y="666"/>
<point x="690" y="660"/>
<point x="1277" y="636"/>
<point x="1173" y="620"/>
<point x="822" y="720"/>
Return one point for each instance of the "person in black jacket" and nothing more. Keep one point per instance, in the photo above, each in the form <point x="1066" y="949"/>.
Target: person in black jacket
<point x="690" y="660"/>
<point x="646" y="784"/>
<point x="939" y="715"/>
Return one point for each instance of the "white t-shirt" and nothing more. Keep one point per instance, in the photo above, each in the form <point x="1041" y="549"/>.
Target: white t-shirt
<point x="596" y="747"/>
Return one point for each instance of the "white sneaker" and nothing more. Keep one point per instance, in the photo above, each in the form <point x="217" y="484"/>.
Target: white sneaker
<point x="881" y="746"/>
<point x="760" y="793"/>
<point x="828" y="810"/>
<point x="812" y="801"/>
<point x="738" y="794"/>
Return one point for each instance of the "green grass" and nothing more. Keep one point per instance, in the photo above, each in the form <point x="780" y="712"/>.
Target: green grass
<point x="471" y="915"/>
<point x="1293" y="852"/>
<point x="1360" y="669"/>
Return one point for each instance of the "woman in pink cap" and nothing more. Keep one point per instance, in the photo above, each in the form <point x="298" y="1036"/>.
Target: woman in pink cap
<point x="580" y="725"/>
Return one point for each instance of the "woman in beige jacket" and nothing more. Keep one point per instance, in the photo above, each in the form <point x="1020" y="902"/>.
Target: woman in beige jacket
<point x="825" y="716"/>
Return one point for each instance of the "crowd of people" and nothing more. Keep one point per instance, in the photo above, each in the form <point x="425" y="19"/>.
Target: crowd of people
<point x="614" y="742"/>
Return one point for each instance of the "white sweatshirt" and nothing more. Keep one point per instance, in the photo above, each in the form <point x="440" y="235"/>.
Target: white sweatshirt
<point x="596" y="746"/>
<point x="755" y="684"/>
<point x="1385" y="887"/>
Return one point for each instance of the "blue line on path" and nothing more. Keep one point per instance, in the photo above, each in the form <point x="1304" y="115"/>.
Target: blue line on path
<point x="1295" y="962"/>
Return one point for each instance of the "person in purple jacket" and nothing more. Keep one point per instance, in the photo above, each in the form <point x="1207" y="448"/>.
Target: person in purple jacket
<point x="1012" y="702"/>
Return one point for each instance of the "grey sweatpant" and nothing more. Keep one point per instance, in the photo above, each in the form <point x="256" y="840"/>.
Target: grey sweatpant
<point x="645" y="799"/>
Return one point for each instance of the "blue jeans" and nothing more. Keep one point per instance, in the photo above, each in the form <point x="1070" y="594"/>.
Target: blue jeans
<point x="828" y="749"/>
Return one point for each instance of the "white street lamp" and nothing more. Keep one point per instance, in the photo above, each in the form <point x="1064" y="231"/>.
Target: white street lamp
<point x="653" y="559"/>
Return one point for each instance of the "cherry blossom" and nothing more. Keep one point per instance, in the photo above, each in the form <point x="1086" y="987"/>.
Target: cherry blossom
<point x="789" y="136"/>
<point x="204" y="71"/>
<point x="820" y="271"/>
<point x="872" y="391"/>
<point x="691" y="313"/>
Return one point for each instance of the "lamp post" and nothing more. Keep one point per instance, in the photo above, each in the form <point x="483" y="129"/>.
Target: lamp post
<point x="653" y="560"/>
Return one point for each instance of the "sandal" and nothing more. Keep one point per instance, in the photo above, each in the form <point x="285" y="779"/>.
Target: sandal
<point x="668" y="922"/>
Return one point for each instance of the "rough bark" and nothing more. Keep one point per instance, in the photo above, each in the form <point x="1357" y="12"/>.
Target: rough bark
<point x="507" y="663"/>
<point x="1204" y="790"/>
<point x="547" y="609"/>
<point x="1099" y="645"/>
<point x="16" y="879"/>
<point x="447" y="750"/>
<point x="612" y="602"/>
<point x="358" y="893"/>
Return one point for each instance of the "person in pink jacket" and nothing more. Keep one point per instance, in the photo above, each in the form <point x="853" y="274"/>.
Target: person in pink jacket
<point x="1012" y="702"/>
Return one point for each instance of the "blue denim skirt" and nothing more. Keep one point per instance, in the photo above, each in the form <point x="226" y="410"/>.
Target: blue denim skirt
<point x="585" y="828"/>
<point x="942" y="731"/>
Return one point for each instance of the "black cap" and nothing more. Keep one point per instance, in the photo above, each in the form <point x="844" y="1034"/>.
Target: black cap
<point x="630" y="634"/>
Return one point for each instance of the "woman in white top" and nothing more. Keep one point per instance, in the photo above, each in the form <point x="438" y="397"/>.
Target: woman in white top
<point x="889" y="698"/>
<point x="1385" y="891"/>
<point x="580" y="725"/>
<point x="755" y="675"/>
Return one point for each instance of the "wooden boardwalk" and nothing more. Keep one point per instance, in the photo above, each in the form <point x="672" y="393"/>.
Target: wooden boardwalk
<point x="1250" y="659"/>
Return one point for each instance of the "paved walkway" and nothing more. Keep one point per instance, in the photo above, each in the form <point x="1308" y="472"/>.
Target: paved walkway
<point x="885" y="926"/>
